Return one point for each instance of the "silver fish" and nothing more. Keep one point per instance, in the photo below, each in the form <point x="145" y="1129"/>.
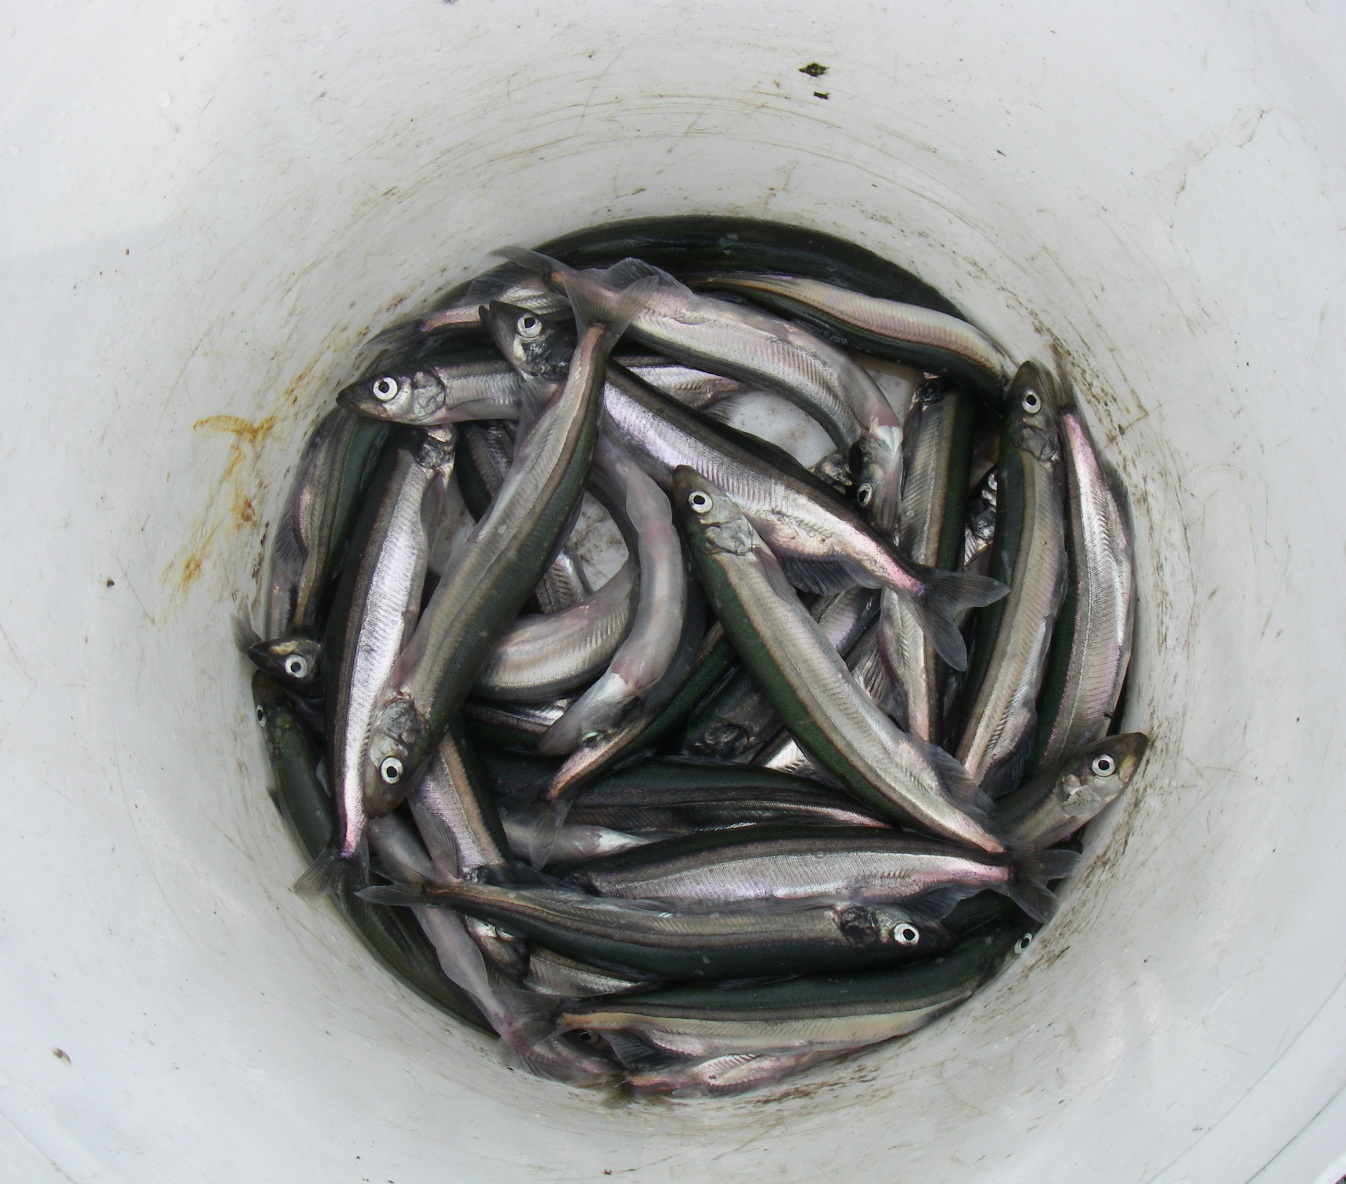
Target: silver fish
<point x="508" y="551"/>
<point x="808" y="683"/>
<point x="813" y="1013"/>
<point x="1092" y="646"/>
<point x="546" y="655"/>
<point x="860" y="865"/>
<point x="1055" y="804"/>
<point x="647" y="649"/>
<point x="1029" y="553"/>
<point x="766" y="352"/>
<point x="916" y="336"/>
<point x="384" y="596"/>
<point x="821" y="542"/>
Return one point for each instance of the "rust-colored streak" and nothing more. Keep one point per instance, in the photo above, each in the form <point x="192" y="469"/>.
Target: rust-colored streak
<point x="245" y="441"/>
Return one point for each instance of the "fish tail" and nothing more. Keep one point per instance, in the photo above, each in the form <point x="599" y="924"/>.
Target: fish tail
<point x="1032" y="873"/>
<point x="323" y="874"/>
<point x="947" y="594"/>
<point x="535" y="263"/>
<point x="245" y="636"/>
<point x="595" y="303"/>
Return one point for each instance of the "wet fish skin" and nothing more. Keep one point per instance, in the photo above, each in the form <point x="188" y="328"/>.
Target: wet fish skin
<point x="550" y="973"/>
<point x="1058" y="802"/>
<point x="681" y="945"/>
<point x="543" y="656"/>
<point x="857" y="864"/>
<point x="808" y="683"/>
<point x="337" y="464"/>
<point x="507" y="553"/>
<point x="739" y="720"/>
<point x="999" y="700"/>
<point x="645" y="653"/>
<point x="825" y="544"/>
<point x="814" y="1013"/>
<point x="907" y="333"/>
<point x="378" y="596"/>
<point x="391" y="935"/>
<point x="1091" y="647"/>
<point x="934" y="497"/>
<point x="721" y="1076"/>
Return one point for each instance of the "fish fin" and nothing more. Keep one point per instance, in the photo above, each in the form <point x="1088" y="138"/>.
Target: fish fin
<point x="956" y="782"/>
<point x="491" y="284"/>
<point x="615" y="312"/>
<point x="633" y="1052"/>
<point x="401" y="339"/>
<point x="938" y="903"/>
<point x="631" y="269"/>
<point x="1032" y="873"/>
<point x="323" y="874"/>
<point x="534" y="262"/>
<point x="393" y="894"/>
<point x="822" y="575"/>
<point x="245" y="636"/>
<point x="947" y="593"/>
<point x="533" y="395"/>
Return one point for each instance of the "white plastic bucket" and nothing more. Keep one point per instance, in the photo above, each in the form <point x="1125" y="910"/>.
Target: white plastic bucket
<point x="206" y="206"/>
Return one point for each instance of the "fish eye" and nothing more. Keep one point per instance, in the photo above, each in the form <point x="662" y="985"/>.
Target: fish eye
<point x="1025" y="940"/>
<point x="296" y="666"/>
<point x="261" y="714"/>
<point x="700" y="503"/>
<point x="864" y="494"/>
<point x="1103" y="765"/>
<point x="587" y="1036"/>
<point x="529" y="326"/>
<point x="590" y="737"/>
<point x="1032" y="402"/>
<point x="384" y="388"/>
<point x="906" y="934"/>
<point x="390" y="770"/>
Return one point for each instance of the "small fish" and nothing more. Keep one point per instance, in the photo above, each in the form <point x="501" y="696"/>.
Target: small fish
<point x="1055" y="804"/>
<point x="808" y="683"/>
<point x="506" y="553"/>
<point x="998" y="709"/>
<point x="907" y="333"/>
<point x="680" y="944"/>
<point x="1091" y="648"/>
<point x="812" y="1013"/>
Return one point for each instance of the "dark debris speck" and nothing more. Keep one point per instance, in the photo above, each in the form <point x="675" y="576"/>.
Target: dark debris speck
<point x="813" y="70"/>
<point x="821" y="94"/>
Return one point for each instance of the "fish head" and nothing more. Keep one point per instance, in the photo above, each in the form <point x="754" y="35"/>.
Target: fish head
<point x="395" y="737"/>
<point x="269" y="703"/>
<point x="710" y="516"/>
<point x="1099" y="774"/>
<point x="415" y="396"/>
<point x="876" y="465"/>
<point x="535" y="347"/>
<point x="294" y="662"/>
<point x="1032" y="412"/>
<point x="867" y="926"/>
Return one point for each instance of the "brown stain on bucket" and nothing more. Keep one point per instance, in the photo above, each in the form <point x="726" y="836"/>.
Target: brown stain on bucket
<point x="245" y="442"/>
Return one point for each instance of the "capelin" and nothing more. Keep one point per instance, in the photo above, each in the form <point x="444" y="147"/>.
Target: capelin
<point x="721" y="525"/>
<point x="876" y="462"/>
<point x="294" y="662"/>
<point x="1100" y="773"/>
<point x="411" y="396"/>
<point x="530" y="344"/>
<point x="395" y="734"/>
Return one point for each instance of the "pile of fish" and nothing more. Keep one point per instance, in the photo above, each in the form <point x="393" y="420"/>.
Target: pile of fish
<point x="792" y="776"/>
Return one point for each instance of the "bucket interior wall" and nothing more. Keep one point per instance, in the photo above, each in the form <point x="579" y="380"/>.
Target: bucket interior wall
<point x="206" y="207"/>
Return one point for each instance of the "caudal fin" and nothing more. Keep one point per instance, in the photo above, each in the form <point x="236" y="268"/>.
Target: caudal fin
<point x="947" y="594"/>
<point x="595" y="302"/>
<point x="323" y="874"/>
<point x="535" y="263"/>
<point x="1028" y="889"/>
